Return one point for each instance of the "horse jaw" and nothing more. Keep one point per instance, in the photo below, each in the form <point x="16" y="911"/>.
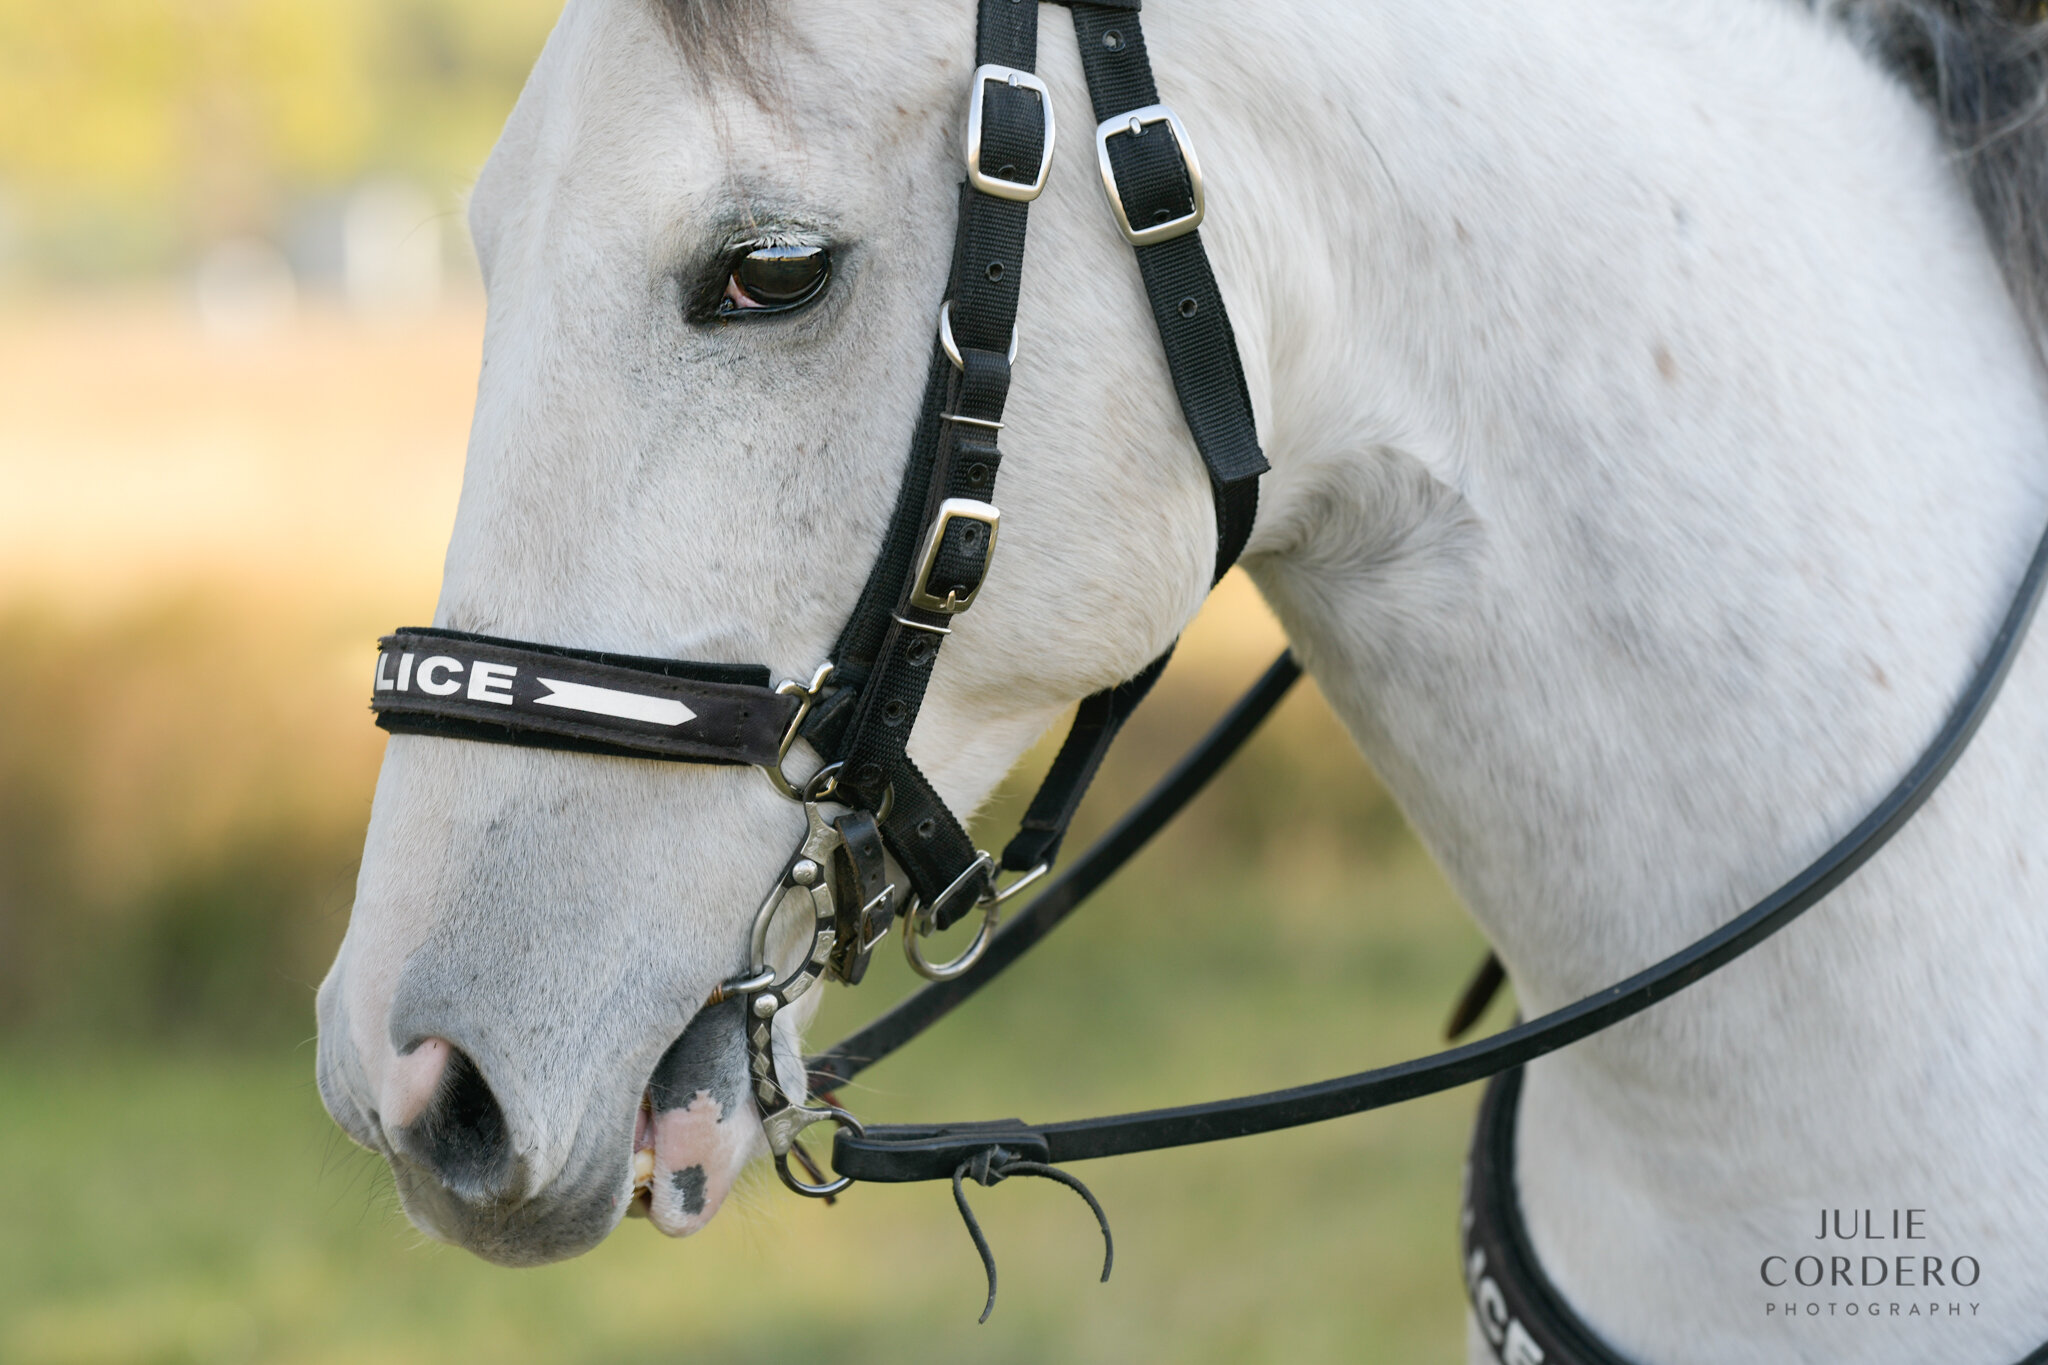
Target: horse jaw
<point x="641" y="483"/>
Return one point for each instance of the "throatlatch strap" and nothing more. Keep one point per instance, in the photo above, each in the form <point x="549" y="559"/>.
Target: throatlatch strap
<point x="1096" y="723"/>
<point x="1201" y="350"/>
<point x="464" y="686"/>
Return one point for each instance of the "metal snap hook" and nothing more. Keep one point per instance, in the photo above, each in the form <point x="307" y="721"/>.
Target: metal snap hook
<point x="807" y="696"/>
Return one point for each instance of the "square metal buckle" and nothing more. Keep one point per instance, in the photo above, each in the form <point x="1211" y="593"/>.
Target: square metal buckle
<point x="950" y="511"/>
<point x="1018" y="190"/>
<point x="1135" y="122"/>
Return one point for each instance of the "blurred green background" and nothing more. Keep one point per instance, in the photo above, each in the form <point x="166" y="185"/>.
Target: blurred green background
<point x="236" y="308"/>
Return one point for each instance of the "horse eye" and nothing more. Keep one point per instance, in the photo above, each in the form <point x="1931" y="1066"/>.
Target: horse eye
<point x="775" y="279"/>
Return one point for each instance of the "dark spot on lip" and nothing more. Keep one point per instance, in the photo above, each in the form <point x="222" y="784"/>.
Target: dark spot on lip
<point x="689" y="1187"/>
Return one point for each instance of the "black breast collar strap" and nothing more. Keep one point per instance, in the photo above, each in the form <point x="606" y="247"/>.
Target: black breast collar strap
<point x="1523" y="1317"/>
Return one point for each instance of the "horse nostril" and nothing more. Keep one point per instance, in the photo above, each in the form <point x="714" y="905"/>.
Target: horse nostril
<point x="460" y="1134"/>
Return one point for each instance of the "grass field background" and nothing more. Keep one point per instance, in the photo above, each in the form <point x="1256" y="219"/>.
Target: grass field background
<point x="214" y="495"/>
<point x="200" y="538"/>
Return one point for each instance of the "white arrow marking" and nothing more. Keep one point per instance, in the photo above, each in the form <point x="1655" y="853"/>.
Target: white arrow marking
<point x="605" y="701"/>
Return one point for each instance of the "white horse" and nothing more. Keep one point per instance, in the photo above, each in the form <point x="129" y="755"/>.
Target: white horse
<point x="1655" y="444"/>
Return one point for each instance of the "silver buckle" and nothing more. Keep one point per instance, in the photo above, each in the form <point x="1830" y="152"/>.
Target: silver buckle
<point x="1134" y="123"/>
<point x="1015" y="190"/>
<point x="950" y="511"/>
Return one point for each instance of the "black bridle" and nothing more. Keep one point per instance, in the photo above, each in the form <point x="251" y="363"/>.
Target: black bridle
<point x="857" y="711"/>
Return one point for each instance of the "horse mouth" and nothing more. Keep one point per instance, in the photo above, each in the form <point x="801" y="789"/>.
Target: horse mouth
<point x="642" y="1198"/>
<point x="688" y="1152"/>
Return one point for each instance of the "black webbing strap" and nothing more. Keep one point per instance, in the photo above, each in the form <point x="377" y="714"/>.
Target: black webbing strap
<point x="922" y="1152"/>
<point x="1521" y="1313"/>
<point x="886" y="652"/>
<point x="1096" y="723"/>
<point x="463" y="686"/>
<point x="1151" y="171"/>
<point x="1061" y="897"/>
<point x="955" y="456"/>
<point x="1526" y="1321"/>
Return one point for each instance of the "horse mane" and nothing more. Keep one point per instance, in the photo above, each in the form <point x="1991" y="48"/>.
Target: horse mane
<point x="1981" y="68"/>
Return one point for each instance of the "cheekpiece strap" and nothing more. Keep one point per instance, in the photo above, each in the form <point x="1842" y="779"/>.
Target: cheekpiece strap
<point x="464" y="686"/>
<point x="936" y="554"/>
<point x="1154" y="182"/>
<point x="942" y="538"/>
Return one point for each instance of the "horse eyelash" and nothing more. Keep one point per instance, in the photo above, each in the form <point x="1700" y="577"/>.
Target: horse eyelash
<point x="708" y="287"/>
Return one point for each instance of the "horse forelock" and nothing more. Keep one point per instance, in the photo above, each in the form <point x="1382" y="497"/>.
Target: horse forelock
<point x="724" y="39"/>
<point x="1981" y="67"/>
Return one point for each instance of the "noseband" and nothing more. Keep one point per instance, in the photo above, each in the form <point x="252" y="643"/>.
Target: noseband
<point x="857" y="710"/>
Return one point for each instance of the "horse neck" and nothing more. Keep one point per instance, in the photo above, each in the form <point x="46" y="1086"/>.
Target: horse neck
<point x="1642" y="501"/>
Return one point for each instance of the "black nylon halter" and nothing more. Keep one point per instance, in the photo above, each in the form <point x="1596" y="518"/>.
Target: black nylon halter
<point x="935" y="549"/>
<point x="860" y="713"/>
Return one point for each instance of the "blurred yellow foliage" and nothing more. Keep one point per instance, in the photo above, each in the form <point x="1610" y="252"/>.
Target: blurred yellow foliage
<point x="200" y="540"/>
<point x="134" y="131"/>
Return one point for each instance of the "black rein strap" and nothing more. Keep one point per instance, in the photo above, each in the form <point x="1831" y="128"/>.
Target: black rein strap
<point x="933" y="1151"/>
<point x="856" y="1053"/>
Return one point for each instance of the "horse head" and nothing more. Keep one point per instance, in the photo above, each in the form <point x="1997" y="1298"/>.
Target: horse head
<point x="715" y="238"/>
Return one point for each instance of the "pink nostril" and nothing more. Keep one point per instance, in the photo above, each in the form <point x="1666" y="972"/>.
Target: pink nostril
<point x="411" y="1080"/>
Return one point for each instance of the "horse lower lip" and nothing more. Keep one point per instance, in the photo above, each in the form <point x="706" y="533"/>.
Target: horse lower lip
<point x="643" y="1143"/>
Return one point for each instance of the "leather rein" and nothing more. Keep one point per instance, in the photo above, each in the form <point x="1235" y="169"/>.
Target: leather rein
<point x="858" y="709"/>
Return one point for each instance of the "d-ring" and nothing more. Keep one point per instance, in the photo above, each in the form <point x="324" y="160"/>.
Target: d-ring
<point x="830" y="1187"/>
<point x="952" y="347"/>
<point x="824" y="784"/>
<point x="916" y="925"/>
